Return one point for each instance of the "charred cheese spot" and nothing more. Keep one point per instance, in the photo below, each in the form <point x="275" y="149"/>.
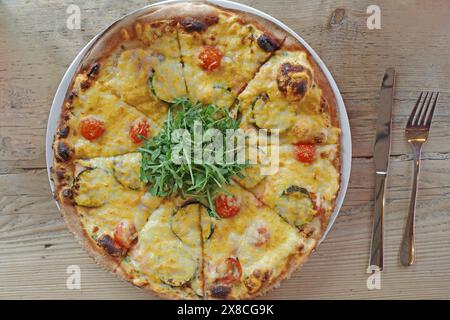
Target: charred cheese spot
<point x="220" y="292"/>
<point x="293" y="80"/>
<point x="94" y="70"/>
<point x="190" y="24"/>
<point x="63" y="151"/>
<point x="110" y="246"/>
<point x="268" y="43"/>
<point x="60" y="174"/>
<point x="64" y="132"/>
<point x="67" y="193"/>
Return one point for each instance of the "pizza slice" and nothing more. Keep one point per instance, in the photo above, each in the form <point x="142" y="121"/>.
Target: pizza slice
<point x="111" y="200"/>
<point x="146" y="71"/>
<point x="105" y="204"/>
<point x="304" y="184"/>
<point x="95" y="123"/>
<point x="168" y="255"/>
<point x="289" y="94"/>
<point x="221" y="52"/>
<point x="251" y="248"/>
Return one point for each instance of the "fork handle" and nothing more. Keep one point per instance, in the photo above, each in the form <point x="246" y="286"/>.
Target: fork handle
<point x="407" y="251"/>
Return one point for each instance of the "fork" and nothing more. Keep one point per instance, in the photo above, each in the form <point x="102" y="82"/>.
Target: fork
<point x="416" y="133"/>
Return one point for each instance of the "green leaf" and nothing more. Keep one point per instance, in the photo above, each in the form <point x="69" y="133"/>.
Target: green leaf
<point x="200" y="181"/>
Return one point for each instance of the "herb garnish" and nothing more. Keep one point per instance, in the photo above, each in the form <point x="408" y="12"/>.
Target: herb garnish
<point x="188" y="179"/>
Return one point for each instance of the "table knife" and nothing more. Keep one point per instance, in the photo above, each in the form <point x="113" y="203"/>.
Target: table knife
<point x="381" y="152"/>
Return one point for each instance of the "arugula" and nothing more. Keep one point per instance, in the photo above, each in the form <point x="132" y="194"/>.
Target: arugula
<point x="188" y="179"/>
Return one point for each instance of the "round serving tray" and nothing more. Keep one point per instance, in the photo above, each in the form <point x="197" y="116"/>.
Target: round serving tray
<point x="83" y="55"/>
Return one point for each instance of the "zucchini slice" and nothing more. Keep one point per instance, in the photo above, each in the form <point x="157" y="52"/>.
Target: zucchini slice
<point x="126" y="170"/>
<point x="150" y="83"/>
<point x="90" y="187"/>
<point x="207" y="224"/>
<point x="295" y="206"/>
<point x="166" y="82"/>
<point x="268" y="114"/>
<point x="177" y="268"/>
<point x="185" y="223"/>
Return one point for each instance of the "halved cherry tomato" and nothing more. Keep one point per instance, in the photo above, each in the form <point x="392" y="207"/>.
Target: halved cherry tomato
<point x="227" y="206"/>
<point x="124" y="234"/>
<point x="210" y="58"/>
<point x="139" y="131"/>
<point x="305" y="152"/>
<point x="233" y="271"/>
<point x="91" y="128"/>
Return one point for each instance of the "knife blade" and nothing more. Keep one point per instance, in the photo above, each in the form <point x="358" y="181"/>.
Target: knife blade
<point x="382" y="149"/>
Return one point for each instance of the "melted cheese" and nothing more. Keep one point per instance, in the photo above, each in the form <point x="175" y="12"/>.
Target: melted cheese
<point x="241" y="58"/>
<point x="262" y="253"/>
<point x="118" y="117"/>
<point x="136" y="84"/>
<point x="162" y="40"/>
<point x="263" y="104"/>
<point x="320" y="177"/>
<point x="128" y="78"/>
<point x="149" y="76"/>
<point x="118" y="202"/>
<point x="161" y="258"/>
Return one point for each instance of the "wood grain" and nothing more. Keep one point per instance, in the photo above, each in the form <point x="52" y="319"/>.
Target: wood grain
<point x="36" y="48"/>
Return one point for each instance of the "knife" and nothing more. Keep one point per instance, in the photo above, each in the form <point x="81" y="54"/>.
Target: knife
<point x="381" y="152"/>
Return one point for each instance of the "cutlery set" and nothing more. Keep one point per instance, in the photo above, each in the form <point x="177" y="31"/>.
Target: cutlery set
<point x="416" y="133"/>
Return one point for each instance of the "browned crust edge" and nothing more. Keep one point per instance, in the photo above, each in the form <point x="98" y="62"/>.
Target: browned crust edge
<point x="168" y="12"/>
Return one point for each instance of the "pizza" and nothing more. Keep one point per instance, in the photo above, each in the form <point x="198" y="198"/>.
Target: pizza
<point x="187" y="230"/>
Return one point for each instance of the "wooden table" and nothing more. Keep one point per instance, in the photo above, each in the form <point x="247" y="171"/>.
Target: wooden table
<point x="36" y="47"/>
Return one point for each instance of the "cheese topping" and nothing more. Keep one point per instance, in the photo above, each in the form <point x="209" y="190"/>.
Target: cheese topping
<point x="173" y="245"/>
<point x="241" y="57"/>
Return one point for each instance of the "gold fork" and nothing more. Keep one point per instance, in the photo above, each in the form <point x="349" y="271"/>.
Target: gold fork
<point x="416" y="132"/>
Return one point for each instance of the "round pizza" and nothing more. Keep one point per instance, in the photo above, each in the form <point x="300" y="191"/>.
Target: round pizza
<point x="184" y="228"/>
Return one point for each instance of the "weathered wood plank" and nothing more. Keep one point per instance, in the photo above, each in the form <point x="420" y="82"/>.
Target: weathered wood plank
<point x="36" y="48"/>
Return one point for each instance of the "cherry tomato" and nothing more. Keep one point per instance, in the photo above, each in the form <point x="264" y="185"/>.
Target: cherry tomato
<point x="139" y="131"/>
<point x="233" y="271"/>
<point x="305" y="152"/>
<point x="227" y="206"/>
<point x="210" y="58"/>
<point x="91" y="128"/>
<point x="124" y="234"/>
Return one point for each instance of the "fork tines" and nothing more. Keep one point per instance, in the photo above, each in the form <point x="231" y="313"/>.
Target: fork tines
<point x="424" y="116"/>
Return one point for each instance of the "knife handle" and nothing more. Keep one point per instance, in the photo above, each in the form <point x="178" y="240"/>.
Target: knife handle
<point x="376" y="250"/>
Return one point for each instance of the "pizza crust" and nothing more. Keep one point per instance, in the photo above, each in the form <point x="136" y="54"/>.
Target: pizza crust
<point x="123" y="31"/>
